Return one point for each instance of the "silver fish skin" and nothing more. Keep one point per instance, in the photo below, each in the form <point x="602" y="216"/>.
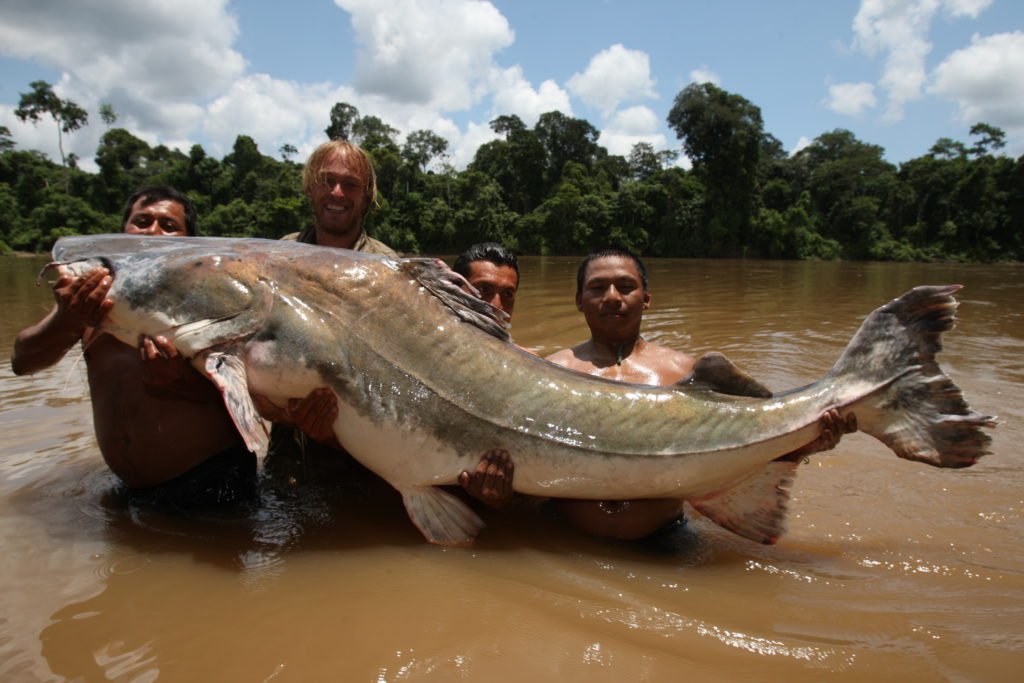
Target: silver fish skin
<point x="426" y="380"/>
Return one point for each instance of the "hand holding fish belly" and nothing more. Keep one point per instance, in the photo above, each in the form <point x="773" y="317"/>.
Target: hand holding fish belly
<point x="313" y="415"/>
<point x="410" y="360"/>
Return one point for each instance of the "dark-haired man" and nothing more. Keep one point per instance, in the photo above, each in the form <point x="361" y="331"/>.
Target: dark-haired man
<point x="162" y="427"/>
<point x="612" y="293"/>
<point x="494" y="271"/>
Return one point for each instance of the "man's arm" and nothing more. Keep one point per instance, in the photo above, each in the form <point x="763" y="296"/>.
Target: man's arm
<point x="314" y="415"/>
<point x="81" y="304"/>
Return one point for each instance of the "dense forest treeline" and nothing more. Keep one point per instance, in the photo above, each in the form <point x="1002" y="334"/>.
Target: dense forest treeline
<point x="552" y="189"/>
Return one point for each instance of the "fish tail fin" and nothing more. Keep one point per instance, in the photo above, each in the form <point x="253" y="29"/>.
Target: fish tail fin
<point x="917" y="411"/>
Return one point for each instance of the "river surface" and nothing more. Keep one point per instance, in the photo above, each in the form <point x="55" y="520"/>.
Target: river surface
<point x="891" y="570"/>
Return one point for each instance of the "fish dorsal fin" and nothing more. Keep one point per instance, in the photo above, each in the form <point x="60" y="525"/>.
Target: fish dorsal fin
<point x="715" y="372"/>
<point x="446" y="285"/>
<point x="756" y="507"/>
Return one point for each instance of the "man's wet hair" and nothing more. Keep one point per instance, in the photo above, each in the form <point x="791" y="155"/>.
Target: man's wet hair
<point x="581" y="273"/>
<point x="151" y="194"/>
<point x="486" y="251"/>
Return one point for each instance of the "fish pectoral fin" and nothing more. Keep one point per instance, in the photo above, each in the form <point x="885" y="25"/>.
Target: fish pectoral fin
<point x="716" y="372"/>
<point x="207" y="333"/>
<point x="441" y="517"/>
<point x="227" y="372"/>
<point x="756" y="507"/>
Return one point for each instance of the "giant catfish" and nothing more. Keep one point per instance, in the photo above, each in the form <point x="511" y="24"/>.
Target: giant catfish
<point x="426" y="380"/>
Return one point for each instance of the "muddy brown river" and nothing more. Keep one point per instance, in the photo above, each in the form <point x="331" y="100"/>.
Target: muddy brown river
<point x="891" y="570"/>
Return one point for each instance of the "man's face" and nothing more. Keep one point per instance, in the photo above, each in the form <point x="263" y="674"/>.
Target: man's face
<point x="164" y="217"/>
<point x="613" y="298"/>
<point x="497" y="284"/>
<point x="338" y="199"/>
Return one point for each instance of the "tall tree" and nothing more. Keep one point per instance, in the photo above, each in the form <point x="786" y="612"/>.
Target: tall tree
<point x="287" y="151"/>
<point x="6" y="143"/>
<point x="121" y="158"/>
<point x="107" y="114"/>
<point x="948" y="148"/>
<point x="372" y="134"/>
<point x="990" y="138"/>
<point x="643" y="161"/>
<point x="68" y="116"/>
<point x="722" y="134"/>
<point x="566" y="139"/>
<point x="508" y="124"/>
<point x="850" y="183"/>
<point x="423" y="146"/>
<point x="517" y="164"/>
<point x="343" y="116"/>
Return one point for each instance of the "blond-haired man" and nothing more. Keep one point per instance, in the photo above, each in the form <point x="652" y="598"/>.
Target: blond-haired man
<point x="342" y="187"/>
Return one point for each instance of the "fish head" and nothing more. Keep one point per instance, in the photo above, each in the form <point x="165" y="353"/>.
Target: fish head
<point x="196" y="291"/>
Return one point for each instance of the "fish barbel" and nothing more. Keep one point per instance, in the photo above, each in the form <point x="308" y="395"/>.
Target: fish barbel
<point x="426" y="380"/>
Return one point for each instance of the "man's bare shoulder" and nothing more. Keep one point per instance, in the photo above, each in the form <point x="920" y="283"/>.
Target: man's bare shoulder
<point x="560" y="357"/>
<point x="669" y="364"/>
<point x="576" y="357"/>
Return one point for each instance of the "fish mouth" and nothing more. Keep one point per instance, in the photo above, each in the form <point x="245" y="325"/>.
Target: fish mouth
<point x="77" y="268"/>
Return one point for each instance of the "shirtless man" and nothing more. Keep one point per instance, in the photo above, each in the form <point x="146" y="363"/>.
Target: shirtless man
<point x="161" y="426"/>
<point x="612" y="294"/>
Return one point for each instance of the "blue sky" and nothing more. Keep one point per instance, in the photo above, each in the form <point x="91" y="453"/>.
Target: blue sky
<point x="898" y="73"/>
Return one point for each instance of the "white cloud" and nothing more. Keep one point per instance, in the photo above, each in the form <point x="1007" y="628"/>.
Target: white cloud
<point x="437" y="53"/>
<point x="704" y="75"/>
<point x="614" y="76"/>
<point x="899" y="30"/>
<point x="271" y="111"/>
<point x="464" y="147"/>
<point x="110" y="52"/>
<point x="630" y="126"/>
<point x="416" y="61"/>
<point x="984" y="80"/>
<point x="851" y="99"/>
<point x="513" y="94"/>
<point x="966" y="8"/>
<point x="803" y="142"/>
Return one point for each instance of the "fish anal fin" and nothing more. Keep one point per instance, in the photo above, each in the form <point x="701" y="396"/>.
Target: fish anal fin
<point x="227" y="372"/>
<point x="756" y="507"/>
<point x="716" y="372"/>
<point x="441" y="517"/>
